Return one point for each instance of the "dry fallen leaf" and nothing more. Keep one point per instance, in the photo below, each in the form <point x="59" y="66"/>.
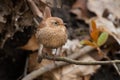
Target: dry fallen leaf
<point x="76" y="72"/>
<point x="79" y="8"/>
<point x="71" y="46"/>
<point x="31" y="44"/>
<point x="99" y="6"/>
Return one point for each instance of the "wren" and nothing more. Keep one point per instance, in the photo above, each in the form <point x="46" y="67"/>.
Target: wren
<point x="51" y="34"/>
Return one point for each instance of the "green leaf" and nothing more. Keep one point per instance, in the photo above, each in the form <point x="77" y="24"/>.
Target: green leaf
<point x="102" y="38"/>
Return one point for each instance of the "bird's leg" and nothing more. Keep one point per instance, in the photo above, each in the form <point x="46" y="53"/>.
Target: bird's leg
<point x="40" y="53"/>
<point x="56" y="52"/>
<point x="59" y="51"/>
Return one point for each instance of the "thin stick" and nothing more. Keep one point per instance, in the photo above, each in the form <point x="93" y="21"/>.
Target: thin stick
<point x="50" y="66"/>
<point x="35" y="9"/>
<point x="71" y="61"/>
<point x="117" y="69"/>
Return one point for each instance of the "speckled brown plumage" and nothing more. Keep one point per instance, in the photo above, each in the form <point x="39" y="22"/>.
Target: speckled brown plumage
<point x="53" y="34"/>
<point x="50" y="34"/>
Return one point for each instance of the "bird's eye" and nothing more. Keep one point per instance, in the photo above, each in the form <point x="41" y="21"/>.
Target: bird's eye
<point x="56" y="23"/>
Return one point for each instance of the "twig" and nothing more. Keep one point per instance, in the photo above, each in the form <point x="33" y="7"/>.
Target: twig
<point x="26" y="67"/>
<point x="42" y="70"/>
<point x="57" y="3"/>
<point x="7" y="36"/>
<point x="35" y="9"/>
<point x="71" y="61"/>
<point x="50" y="66"/>
<point x="117" y="69"/>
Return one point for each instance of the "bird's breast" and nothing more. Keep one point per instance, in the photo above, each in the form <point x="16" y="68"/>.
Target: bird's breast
<point x="52" y="37"/>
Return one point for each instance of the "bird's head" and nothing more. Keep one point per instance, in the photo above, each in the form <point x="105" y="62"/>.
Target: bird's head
<point x="54" y="22"/>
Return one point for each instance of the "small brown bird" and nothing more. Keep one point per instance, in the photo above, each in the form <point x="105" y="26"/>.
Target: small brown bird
<point x="51" y="33"/>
